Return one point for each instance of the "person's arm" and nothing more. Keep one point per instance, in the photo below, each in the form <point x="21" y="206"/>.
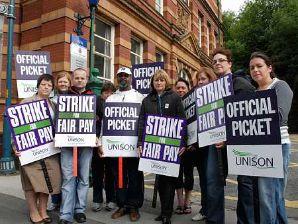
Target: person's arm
<point x="242" y="85"/>
<point x="284" y="101"/>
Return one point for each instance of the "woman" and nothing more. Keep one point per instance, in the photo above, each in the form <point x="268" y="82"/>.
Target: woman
<point x="271" y="190"/>
<point x="204" y="76"/>
<point x="34" y="184"/>
<point x="185" y="179"/>
<point x="62" y="85"/>
<point x="165" y="102"/>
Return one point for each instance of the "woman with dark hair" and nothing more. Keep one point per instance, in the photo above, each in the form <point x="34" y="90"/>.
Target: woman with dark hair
<point x="271" y="190"/>
<point x="164" y="102"/>
<point x="33" y="177"/>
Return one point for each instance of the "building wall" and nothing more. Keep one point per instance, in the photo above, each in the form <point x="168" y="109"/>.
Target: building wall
<point x="47" y="26"/>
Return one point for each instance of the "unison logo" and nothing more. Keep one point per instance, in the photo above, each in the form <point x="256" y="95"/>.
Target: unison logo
<point x="253" y="160"/>
<point x="215" y="134"/>
<point x="117" y="145"/>
<point x="157" y="166"/>
<point x="75" y="139"/>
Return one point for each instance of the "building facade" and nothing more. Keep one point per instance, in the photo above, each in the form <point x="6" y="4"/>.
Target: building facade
<point x="182" y="33"/>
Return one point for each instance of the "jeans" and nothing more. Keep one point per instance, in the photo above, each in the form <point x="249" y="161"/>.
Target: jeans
<point x="245" y="204"/>
<point x="74" y="189"/>
<point x="215" y="188"/>
<point x="272" y="192"/>
<point x="201" y="155"/>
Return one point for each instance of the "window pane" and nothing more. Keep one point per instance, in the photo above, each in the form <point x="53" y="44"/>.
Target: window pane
<point x="102" y="46"/>
<point x="135" y="46"/>
<point x="103" y="29"/>
<point x="104" y="66"/>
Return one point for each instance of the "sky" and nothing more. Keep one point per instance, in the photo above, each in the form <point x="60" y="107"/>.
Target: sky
<point x="232" y="5"/>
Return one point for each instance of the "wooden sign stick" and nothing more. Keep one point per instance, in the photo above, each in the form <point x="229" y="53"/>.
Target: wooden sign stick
<point x="75" y="161"/>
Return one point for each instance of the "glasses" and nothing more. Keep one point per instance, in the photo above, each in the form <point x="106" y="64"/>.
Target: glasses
<point x="221" y="60"/>
<point x="123" y="75"/>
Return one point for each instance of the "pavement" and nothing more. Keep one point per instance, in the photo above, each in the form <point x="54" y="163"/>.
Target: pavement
<point x="13" y="208"/>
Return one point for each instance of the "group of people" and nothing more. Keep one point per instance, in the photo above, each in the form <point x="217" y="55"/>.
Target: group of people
<point x="260" y="199"/>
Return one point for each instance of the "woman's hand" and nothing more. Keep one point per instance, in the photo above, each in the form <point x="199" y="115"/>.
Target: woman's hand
<point x="17" y="153"/>
<point x="140" y="150"/>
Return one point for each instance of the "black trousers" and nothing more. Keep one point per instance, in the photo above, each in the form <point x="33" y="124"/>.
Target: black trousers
<point x="103" y="178"/>
<point x="185" y="179"/>
<point x="129" y="183"/>
<point x="166" y="191"/>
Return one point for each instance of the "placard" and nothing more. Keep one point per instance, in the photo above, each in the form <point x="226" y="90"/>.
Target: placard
<point x="29" y="66"/>
<point x="141" y="76"/>
<point x="120" y="129"/>
<point x="189" y="104"/>
<point x="210" y="110"/>
<point x="32" y="130"/>
<point x="162" y="142"/>
<point x="253" y="135"/>
<point x="75" y="123"/>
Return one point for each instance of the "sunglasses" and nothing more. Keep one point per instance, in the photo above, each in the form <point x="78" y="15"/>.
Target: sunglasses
<point x="123" y="75"/>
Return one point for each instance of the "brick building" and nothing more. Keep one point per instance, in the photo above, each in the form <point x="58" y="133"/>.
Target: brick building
<point x="182" y="33"/>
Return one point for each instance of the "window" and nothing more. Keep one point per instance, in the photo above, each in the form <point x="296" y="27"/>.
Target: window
<point x="200" y="19"/>
<point x="159" y="6"/>
<point x="104" y="49"/>
<point x="159" y="56"/>
<point x="186" y="1"/>
<point x="136" y="53"/>
<point x="184" y="74"/>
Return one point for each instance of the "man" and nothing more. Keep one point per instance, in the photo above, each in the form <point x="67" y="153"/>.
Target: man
<point x="217" y="157"/>
<point x="129" y="181"/>
<point x="75" y="189"/>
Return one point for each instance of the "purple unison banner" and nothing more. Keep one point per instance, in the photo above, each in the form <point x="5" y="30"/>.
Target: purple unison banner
<point x="32" y="130"/>
<point x="162" y="141"/>
<point x="76" y="121"/>
<point x="253" y="134"/>
<point x="189" y="104"/>
<point x="29" y="66"/>
<point x="120" y="129"/>
<point x="141" y="75"/>
<point x="210" y="110"/>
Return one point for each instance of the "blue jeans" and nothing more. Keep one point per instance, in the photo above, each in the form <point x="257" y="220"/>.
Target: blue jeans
<point x="245" y="203"/>
<point x="215" y="188"/>
<point x="74" y="189"/>
<point x="271" y="194"/>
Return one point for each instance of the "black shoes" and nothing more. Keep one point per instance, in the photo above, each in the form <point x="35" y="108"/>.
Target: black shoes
<point x="165" y="220"/>
<point x="80" y="217"/>
<point x="158" y="218"/>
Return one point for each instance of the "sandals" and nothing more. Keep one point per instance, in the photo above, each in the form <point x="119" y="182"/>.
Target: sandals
<point x="179" y="210"/>
<point x="187" y="209"/>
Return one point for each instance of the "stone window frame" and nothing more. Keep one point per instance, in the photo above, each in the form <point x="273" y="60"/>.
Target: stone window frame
<point x="161" y="54"/>
<point x="110" y="75"/>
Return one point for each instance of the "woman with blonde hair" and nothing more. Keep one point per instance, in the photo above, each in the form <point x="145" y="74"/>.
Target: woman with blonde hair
<point x="162" y="101"/>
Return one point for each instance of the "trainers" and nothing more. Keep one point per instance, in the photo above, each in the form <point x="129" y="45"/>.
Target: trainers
<point x="110" y="206"/>
<point x="198" y="217"/>
<point x="53" y="207"/>
<point x="96" y="207"/>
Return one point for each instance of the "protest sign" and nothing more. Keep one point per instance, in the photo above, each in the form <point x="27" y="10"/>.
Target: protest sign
<point x="189" y="104"/>
<point x="210" y="110"/>
<point x="120" y="129"/>
<point x="29" y="66"/>
<point x="141" y="75"/>
<point x="32" y="130"/>
<point x="253" y="135"/>
<point x="75" y="123"/>
<point x="78" y="52"/>
<point x="162" y="141"/>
